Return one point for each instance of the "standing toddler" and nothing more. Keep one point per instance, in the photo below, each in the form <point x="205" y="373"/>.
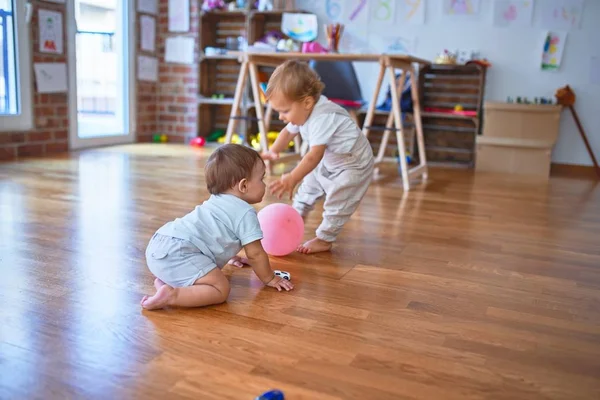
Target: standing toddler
<point x="340" y="162"/>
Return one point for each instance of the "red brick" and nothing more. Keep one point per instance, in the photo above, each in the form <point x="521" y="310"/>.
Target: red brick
<point x="39" y="136"/>
<point x="8" y="153"/>
<point x="182" y="69"/>
<point x="185" y="99"/>
<point x="62" y="111"/>
<point x="192" y="81"/>
<point x="62" y="134"/>
<point x="46" y="111"/>
<point x="18" y="137"/>
<point x="58" y="147"/>
<point x="168" y="118"/>
<point x="27" y="150"/>
<point x="178" y="109"/>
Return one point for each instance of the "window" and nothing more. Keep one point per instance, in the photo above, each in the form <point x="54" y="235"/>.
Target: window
<point x="15" y="76"/>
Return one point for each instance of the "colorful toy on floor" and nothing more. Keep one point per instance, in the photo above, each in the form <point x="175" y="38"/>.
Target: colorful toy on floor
<point x="198" y="142"/>
<point x="235" y="138"/>
<point x="283" y="229"/>
<point x="271" y="136"/>
<point x="157" y="138"/>
<point x="271" y="395"/>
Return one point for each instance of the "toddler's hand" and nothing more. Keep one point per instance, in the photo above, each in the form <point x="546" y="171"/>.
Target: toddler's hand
<point x="269" y="156"/>
<point x="280" y="283"/>
<point x="285" y="184"/>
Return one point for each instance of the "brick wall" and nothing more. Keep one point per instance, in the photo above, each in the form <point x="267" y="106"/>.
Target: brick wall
<point x="178" y="88"/>
<point x="50" y="133"/>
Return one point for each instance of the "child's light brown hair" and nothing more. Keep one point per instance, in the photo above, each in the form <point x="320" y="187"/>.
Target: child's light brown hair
<point x="296" y="81"/>
<point x="228" y="165"/>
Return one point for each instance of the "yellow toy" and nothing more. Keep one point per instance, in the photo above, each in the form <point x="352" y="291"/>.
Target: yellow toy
<point x="235" y="138"/>
<point x="458" y="107"/>
<point x="271" y="137"/>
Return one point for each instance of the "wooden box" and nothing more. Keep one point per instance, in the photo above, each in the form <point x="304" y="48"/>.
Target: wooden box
<point x="522" y="121"/>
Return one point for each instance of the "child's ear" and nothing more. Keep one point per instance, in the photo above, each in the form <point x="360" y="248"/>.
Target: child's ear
<point x="309" y="102"/>
<point x="243" y="185"/>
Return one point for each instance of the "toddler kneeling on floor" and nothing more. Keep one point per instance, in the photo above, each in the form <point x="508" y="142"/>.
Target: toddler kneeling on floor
<point x="186" y="255"/>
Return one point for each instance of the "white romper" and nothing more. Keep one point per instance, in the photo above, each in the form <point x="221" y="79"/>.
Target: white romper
<point x="345" y="172"/>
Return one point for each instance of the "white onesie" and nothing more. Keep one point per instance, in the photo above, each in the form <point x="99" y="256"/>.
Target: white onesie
<point x="345" y="172"/>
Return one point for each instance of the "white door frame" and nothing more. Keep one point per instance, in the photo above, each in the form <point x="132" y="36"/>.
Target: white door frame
<point x="129" y="78"/>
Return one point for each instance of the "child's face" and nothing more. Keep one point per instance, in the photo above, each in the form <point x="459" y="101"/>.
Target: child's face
<point x="255" y="189"/>
<point x="296" y="112"/>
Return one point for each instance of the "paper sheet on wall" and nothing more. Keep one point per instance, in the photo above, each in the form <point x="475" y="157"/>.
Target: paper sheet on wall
<point x="383" y="11"/>
<point x="411" y="12"/>
<point x="51" y="31"/>
<point x="148" y="33"/>
<point x="179" y="15"/>
<point x="561" y="14"/>
<point x="595" y="70"/>
<point x="147" y="68"/>
<point x="179" y="49"/>
<point x="148" y="6"/>
<point x="56" y="1"/>
<point x="517" y="13"/>
<point x="460" y="8"/>
<point x="554" y="47"/>
<point x="50" y="77"/>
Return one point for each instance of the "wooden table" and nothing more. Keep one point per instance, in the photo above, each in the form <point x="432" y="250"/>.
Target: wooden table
<point x="251" y="61"/>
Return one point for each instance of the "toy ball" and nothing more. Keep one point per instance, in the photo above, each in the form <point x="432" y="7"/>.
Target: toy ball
<point x="271" y="395"/>
<point x="283" y="229"/>
<point x="164" y="138"/>
<point x="198" y="142"/>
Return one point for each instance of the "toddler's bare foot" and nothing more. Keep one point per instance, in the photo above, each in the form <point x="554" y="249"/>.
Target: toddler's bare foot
<point x="158" y="283"/>
<point x="238" y="261"/>
<point x="161" y="298"/>
<point x="315" y="245"/>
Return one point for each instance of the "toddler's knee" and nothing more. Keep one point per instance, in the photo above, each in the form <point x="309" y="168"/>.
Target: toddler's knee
<point x="224" y="288"/>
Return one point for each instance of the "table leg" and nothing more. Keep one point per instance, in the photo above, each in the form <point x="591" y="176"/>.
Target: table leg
<point x="397" y="111"/>
<point x="237" y="99"/>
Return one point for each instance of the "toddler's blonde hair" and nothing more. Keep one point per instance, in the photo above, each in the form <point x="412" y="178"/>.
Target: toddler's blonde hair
<point x="296" y="81"/>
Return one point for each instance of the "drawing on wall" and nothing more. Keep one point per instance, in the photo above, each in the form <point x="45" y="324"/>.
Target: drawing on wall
<point x="358" y="9"/>
<point x="561" y="14"/>
<point x="461" y="7"/>
<point x="513" y="12"/>
<point x="412" y="11"/>
<point x="51" y="31"/>
<point x="334" y="9"/>
<point x="554" y="47"/>
<point x="300" y="26"/>
<point x="383" y="11"/>
<point x="392" y="44"/>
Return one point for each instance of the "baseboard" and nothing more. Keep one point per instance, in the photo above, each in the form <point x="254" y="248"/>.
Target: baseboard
<point x="574" y="171"/>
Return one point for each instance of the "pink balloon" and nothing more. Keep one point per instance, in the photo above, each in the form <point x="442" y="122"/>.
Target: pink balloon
<point x="283" y="229"/>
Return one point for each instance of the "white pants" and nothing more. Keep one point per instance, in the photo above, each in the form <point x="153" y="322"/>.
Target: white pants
<point x="343" y="180"/>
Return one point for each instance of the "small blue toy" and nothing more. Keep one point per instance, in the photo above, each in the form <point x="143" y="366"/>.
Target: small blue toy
<point x="271" y="395"/>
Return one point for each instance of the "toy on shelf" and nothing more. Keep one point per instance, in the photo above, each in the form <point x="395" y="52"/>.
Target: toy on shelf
<point x="525" y="100"/>
<point x="466" y="113"/>
<point x="313" y="47"/>
<point x="446" y="57"/>
<point x="211" y="5"/>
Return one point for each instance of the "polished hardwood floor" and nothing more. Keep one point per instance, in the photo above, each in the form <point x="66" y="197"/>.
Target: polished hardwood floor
<point x="468" y="287"/>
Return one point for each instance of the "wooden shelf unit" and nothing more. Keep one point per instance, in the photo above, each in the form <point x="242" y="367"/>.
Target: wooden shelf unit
<point x="218" y="73"/>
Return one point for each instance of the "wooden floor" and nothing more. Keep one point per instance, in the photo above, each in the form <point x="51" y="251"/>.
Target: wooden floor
<point x="468" y="287"/>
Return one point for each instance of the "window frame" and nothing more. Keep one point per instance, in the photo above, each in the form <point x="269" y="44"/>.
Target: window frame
<point x="22" y="121"/>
